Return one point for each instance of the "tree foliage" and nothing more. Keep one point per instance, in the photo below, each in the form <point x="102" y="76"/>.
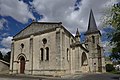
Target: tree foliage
<point x="114" y="20"/>
<point x="109" y="68"/>
<point x="1" y="56"/>
<point x="7" y="57"/>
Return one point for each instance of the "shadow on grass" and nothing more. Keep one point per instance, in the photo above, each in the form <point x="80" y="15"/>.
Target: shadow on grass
<point x="116" y="78"/>
<point x="115" y="72"/>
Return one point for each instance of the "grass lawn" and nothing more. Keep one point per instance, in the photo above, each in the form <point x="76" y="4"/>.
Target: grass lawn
<point x="115" y="72"/>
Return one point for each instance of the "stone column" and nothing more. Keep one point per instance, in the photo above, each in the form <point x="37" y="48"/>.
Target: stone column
<point x="44" y="50"/>
<point x="58" y="54"/>
<point x="31" y="53"/>
<point x="63" y="50"/>
<point x="12" y="57"/>
<point x="61" y="56"/>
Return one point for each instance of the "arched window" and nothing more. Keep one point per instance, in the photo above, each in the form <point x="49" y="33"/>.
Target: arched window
<point x="93" y="39"/>
<point x="44" y="41"/>
<point x="47" y="54"/>
<point x="72" y="41"/>
<point x="22" y="45"/>
<point x="42" y="54"/>
<point x="84" y="59"/>
<point x="68" y="54"/>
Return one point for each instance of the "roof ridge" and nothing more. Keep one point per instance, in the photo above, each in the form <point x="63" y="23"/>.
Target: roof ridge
<point x="47" y="22"/>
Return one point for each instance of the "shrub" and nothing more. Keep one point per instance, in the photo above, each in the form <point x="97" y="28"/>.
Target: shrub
<point x="109" y="68"/>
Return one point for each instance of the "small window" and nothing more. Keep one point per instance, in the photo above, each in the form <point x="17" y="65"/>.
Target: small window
<point x="42" y="54"/>
<point x="93" y="39"/>
<point x="44" y="41"/>
<point x="22" y="45"/>
<point x="72" y="41"/>
<point x="47" y="53"/>
<point x="68" y="54"/>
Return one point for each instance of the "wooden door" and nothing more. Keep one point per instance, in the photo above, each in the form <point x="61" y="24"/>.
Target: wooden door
<point x="22" y="65"/>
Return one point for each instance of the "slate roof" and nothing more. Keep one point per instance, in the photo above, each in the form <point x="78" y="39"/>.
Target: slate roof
<point x="92" y="27"/>
<point x="77" y="33"/>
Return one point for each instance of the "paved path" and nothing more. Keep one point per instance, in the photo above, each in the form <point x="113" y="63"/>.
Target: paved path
<point x="98" y="76"/>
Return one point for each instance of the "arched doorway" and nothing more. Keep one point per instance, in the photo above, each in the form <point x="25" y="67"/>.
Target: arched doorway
<point x="22" y="65"/>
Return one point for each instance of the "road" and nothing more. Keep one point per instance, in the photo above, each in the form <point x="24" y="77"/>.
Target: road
<point x="98" y="76"/>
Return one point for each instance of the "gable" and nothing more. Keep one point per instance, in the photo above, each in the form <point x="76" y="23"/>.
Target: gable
<point x="36" y="27"/>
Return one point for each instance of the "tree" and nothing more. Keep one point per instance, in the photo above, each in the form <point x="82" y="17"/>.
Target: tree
<point x="1" y="55"/>
<point x="7" y="57"/>
<point x="114" y="20"/>
<point x="109" y="67"/>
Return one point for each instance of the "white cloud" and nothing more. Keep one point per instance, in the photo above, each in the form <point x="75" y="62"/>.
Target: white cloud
<point x="6" y="42"/>
<point x="2" y="22"/>
<point x="58" y="10"/>
<point x="106" y="46"/>
<point x="5" y="34"/>
<point x="4" y="50"/>
<point x="16" y="9"/>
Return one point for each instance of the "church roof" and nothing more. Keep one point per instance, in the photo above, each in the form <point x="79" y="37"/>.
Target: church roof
<point x="92" y="28"/>
<point x="37" y="28"/>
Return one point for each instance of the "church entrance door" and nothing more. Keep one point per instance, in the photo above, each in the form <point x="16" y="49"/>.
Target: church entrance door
<point x="22" y="65"/>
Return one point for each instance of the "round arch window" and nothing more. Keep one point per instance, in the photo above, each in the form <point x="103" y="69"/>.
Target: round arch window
<point x="44" y="41"/>
<point x="22" y="45"/>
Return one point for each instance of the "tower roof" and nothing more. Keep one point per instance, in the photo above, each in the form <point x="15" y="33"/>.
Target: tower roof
<point x="92" y="28"/>
<point x="77" y="33"/>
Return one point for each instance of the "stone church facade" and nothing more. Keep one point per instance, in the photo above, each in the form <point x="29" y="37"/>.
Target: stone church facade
<point x="48" y="48"/>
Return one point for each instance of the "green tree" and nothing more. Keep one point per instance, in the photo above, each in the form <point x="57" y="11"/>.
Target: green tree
<point x="114" y="20"/>
<point x="7" y="57"/>
<point x="1" y="55"/>
<point x="109" y="67"/>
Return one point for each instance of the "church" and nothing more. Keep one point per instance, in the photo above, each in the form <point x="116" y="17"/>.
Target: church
<point x="48" y="48"/>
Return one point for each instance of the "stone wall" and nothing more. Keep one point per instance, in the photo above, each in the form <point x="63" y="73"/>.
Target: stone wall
<point x="4" y="67"/>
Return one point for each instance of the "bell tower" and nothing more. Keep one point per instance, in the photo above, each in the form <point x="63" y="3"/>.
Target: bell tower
<point x="93" y="44"/>
<point x="77" y="36"/>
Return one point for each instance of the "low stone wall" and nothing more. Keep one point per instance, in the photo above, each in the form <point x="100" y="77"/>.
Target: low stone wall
<point x="4" y="67"/>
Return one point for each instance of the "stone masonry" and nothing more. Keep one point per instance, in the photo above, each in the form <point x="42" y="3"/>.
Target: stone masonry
<point x="48" y="48"/>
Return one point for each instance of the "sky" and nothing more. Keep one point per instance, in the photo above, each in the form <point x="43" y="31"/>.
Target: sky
<point x="15" y="15"/>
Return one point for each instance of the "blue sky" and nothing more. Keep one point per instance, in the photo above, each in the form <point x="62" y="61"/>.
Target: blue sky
<point x="17" y="14"/>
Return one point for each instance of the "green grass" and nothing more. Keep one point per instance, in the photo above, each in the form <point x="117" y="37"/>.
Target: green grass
<point x="115" y="72"/>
